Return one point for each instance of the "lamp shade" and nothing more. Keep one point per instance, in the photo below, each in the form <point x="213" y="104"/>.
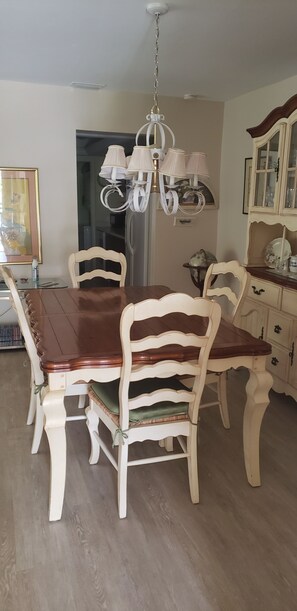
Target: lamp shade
<point x="141" y="160"/>
<point x="174" y="164"/>
<point x="115" y="157"/>
<point x="197" y="165"/>
<point x="112" y="173"/>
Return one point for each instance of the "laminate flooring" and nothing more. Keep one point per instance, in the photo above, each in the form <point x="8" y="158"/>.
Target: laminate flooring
<point x="235" y="551"/>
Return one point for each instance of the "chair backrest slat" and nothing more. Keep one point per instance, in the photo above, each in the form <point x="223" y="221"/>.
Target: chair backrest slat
<point x="96" y="252"/>
<point x="175" y="396"/>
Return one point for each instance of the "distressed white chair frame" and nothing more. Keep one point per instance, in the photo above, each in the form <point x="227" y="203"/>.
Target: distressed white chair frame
<point x="38" y="382"/>
<point x="97" y="253"/>
<point x="124" y="432"/>
<point x="233" y="295"/>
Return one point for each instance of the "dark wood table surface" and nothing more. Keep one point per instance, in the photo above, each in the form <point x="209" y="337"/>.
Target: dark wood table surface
<point x="80" y="328"/>
<point x="77" y="337"/>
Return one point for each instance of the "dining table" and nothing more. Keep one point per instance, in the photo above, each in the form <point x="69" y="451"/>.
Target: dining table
<point x="76" y="332"/>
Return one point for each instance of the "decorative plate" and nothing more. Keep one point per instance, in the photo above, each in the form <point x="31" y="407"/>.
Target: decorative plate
<point x="273" y="251"/>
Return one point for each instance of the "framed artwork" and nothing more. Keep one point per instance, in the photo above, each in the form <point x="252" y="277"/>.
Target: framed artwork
<point x="19" y="215"/>
<point x="246" y="184"/>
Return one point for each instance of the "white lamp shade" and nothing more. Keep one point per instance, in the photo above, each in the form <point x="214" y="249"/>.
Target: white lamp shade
<point x="174" y="164"/>
<point x="112" y="173"/>
<point x="197" y="165"/>
<point x="129" y="174"/>
<point x="141" y="160"/>
<point x="115" y="157"/>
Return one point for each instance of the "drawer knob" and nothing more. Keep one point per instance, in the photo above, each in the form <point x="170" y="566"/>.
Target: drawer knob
<point x="274" y="361"/>
<point x="291" y="354"/>
<point x="277" y="329"/>
<point x="257" y="291"/>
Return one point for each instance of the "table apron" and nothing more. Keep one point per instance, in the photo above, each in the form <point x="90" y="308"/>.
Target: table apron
<point x="255" y="363"/>
<point x="61" y="380"/>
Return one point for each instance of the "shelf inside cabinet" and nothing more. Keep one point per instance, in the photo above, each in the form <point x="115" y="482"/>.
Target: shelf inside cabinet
<point x="260" y="234"/>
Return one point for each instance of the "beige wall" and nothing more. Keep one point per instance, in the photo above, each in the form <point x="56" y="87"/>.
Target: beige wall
<point x="239" y="114"/>
<point x="38" y="126"/>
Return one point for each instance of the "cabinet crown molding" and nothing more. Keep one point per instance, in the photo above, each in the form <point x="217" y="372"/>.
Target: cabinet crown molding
<point x="277" y="113"/>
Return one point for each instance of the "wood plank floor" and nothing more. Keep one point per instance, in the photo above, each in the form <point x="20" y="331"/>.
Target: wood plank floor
<point x="235" y="551"/>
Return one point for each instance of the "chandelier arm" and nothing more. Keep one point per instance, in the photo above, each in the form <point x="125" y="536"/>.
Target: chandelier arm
<point x="151" y="127"/>
<point x="162" y="134"/>
<point x="138" y="198"/>
<point x="145" y="126"/>
<point x="106" y="192"/>
<point x="199" y="206"/>
<point x="172" y="198"/>
<point x="171" y="134"/>
<point x="169" y="200"/>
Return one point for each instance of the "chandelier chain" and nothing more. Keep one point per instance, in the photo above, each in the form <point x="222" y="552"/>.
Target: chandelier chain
<point x="156" y="71"/>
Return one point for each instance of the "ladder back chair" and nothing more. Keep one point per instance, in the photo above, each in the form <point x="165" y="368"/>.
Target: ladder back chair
<point x="38" y="380"/>
<point x="149" y="401"/>
<point x="226" y="283"/>
<point x="96" y="252"/>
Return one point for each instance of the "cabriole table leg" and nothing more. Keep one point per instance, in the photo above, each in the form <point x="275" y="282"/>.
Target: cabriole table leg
<point x="55" y="419"/>
<point x="257" y="389"/>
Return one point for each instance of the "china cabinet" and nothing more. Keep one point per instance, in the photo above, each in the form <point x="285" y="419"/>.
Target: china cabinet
<point x="270" y="308"/>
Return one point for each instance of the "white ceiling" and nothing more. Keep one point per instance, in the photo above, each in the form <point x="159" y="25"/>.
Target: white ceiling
<point x="217" y="49"/>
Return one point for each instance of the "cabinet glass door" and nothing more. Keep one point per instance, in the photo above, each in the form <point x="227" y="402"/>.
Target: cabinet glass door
<point x="267" y="173"/>
<point x="290" y="199"/>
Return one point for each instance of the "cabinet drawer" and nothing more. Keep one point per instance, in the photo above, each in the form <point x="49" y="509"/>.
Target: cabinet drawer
<point x="278" y="362"/>
<point x="289" y="302"/>
<point x="265" y="292"/>
<point x="279" y="329"/>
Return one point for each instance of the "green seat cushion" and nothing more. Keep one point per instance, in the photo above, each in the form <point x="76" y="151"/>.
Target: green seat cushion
<point x="108" y="393"/>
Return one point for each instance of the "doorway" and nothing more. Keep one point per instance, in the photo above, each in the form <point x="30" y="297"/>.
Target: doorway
<point x="93" y="218"/>
<point x="97" y="226"/>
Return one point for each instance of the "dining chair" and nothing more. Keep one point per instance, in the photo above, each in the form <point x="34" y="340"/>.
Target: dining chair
<point x="96" y="252"/>
<point x="38" y="382"/>
<point x="226" y="283"/>
<point x="149" y="401"/>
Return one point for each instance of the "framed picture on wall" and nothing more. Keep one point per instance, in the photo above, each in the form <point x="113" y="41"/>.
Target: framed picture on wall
<point x="246" y="184"/>
<point x="19" y="215"/>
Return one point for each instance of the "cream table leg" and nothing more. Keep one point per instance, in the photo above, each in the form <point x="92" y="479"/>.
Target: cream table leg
<point x="55" y="418"/>
<point x="257" y="389"/>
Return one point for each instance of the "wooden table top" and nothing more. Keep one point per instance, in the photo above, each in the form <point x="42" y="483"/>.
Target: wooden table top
<point x="79" y="328"/>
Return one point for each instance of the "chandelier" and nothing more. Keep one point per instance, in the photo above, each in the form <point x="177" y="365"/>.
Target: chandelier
<point x="153" y="167"/>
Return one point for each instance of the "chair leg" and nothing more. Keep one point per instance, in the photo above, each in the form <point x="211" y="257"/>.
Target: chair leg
<point x="32" y="404"/>
<point x="93" y="427"/>
<point x="38" y="427"/>
<point x="193" y="464"/>
<point x="81" y="401"/>
<point x="167" y="443"/>
<point x="222" y="394"/>
<point x="122" y="479"/>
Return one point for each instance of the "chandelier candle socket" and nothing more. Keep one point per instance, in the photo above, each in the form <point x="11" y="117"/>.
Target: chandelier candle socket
<point x="168" y="168"/>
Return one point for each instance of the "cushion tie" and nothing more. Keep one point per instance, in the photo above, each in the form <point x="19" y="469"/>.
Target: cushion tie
<point x="38" y="388"/>
<point x="122" y="436"/>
